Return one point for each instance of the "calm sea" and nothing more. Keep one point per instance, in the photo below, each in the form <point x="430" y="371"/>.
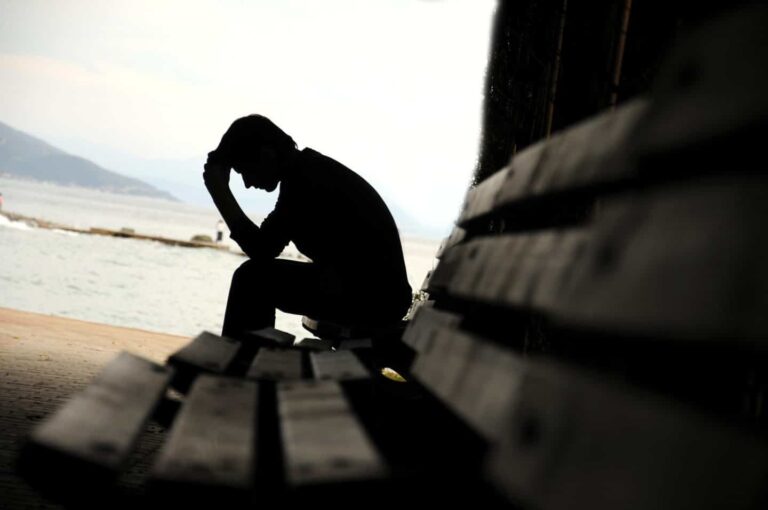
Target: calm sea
<point x="127" y="282"/>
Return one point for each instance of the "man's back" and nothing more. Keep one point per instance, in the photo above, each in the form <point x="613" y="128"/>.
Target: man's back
<point x="338" y="220"/>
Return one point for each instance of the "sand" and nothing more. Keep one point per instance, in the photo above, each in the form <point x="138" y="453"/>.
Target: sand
<point x="43" y="360"/>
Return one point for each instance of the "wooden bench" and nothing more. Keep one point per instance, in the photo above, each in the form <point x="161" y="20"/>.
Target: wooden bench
<point x="594" y="337"/>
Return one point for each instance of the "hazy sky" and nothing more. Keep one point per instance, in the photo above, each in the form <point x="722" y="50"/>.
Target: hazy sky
<point x="391" y="88"/>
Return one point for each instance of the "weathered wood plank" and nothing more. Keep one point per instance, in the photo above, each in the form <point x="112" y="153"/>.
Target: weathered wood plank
<point x="472" y="377"/>
<point x="314" y="344"/>
<point x="682" y="262"/>
<point x="337" y="366"/>
<point x="425" y="322"/>
<point x="322" y="439"/>
<point x="677" y="261"/>
<point x="444" y="271"/>
<point x="276" y="365"/>
<point x="521" y="173"/>
<point x="456" y="236"/>
<point x="212" y="445"/>
<point x="588" y="155"/>
<point x="425" y="284"/>
<point x="206" y="353"/>
<point x="272" y="336"/>
<point x="502" y="268"/>
<point x="482" y="198"/>
<point x="471" y="265"/>
<point x="574" y="440"/>
<point x="95" y="431"/>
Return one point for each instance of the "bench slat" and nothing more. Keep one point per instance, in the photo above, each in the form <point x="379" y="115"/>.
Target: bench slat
<point x="314" y="344"/>
<point x="213" y="440"/>
<point x="337" y="366"/>
<point x="425" y="322"/>
<point x="586" y="155"/>
<point x="425" y="284"/>
<point x="482" y="198"/>
<point x="506" y="269"/>
<point x="574" y="440"/>
<point x="679" y="261"/>
<point x="683" y="262"/>
<point x="322" y="439"/>
<point x="276" y="365"/>
<point x="472" y="377"/>
<point x="273" y="336"/>
<point x="445" y="269"/>
<point x="456" y="236"/>
<point x="205" y="353"/>
<point x="98" y="427"/>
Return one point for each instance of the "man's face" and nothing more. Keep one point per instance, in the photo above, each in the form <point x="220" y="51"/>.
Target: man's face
<point x="259" y="170"/>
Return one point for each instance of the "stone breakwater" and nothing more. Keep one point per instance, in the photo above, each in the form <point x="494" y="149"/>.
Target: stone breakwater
<point x="125" y="233"/>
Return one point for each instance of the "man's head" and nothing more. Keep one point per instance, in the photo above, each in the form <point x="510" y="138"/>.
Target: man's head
<point x="257" y="149"/>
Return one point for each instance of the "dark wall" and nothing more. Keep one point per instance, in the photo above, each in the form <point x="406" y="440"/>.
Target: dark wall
<point x="552" y="64"/>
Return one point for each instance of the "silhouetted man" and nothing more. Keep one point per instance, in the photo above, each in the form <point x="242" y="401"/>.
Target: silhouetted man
<point x="357" y="275"/>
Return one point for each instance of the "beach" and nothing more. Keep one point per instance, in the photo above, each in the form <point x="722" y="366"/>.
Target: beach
<point x="43" y="361"/>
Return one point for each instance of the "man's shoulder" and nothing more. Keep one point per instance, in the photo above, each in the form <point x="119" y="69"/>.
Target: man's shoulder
<point x="317" y="169"/>
<point x="312" y="158"/>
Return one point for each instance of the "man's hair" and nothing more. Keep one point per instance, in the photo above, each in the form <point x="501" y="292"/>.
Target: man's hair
<point x="247" y="135"/>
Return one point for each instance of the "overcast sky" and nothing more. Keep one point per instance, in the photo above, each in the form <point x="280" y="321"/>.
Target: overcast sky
<point x="391" y="88"/>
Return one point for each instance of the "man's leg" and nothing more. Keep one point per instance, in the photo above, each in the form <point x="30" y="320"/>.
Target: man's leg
<point x="258" y="287"/>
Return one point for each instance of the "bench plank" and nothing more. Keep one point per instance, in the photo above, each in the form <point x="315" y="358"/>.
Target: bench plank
<point x="588" y="155"/>
<point x="678" y="261"/>
<point x="575" y="440"/>
<point x="425" y="322"/>
<point x="213" y="441"/>
<point x="207" y="352"/>
<point x="337" y="366"/>
<point x="443" y="272"/>
<point x="276" y="365"/>
<point x="314" y="344"/>
<point x="456" y="236"/>
<point x="322" y="439"/>
<point x="98" y="427"/>
<point x="472" y="377"/>
<point x="273" y="336"/>
<point x="683" y="262"/>
<point x="481" y="199"/>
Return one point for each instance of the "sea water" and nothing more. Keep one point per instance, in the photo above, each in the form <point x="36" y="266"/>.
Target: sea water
<point x="128" y="282"/>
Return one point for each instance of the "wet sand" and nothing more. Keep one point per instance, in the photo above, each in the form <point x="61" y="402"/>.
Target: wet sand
<point x="43" y="360"/>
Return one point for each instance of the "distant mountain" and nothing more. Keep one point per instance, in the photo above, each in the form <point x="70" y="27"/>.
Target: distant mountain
<point x="25" y="156"/>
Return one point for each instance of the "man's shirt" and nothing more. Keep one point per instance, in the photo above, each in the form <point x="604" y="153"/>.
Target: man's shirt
<point x="338" y="220"/>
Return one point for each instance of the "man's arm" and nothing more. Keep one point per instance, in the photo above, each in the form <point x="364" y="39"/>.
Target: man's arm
<point x="243" y="230"/>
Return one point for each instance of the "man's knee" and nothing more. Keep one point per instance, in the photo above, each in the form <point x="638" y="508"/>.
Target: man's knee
<point x="253" y="270"/>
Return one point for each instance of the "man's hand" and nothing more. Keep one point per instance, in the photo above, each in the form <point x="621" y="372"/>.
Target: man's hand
<point x="216" y="176"/>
